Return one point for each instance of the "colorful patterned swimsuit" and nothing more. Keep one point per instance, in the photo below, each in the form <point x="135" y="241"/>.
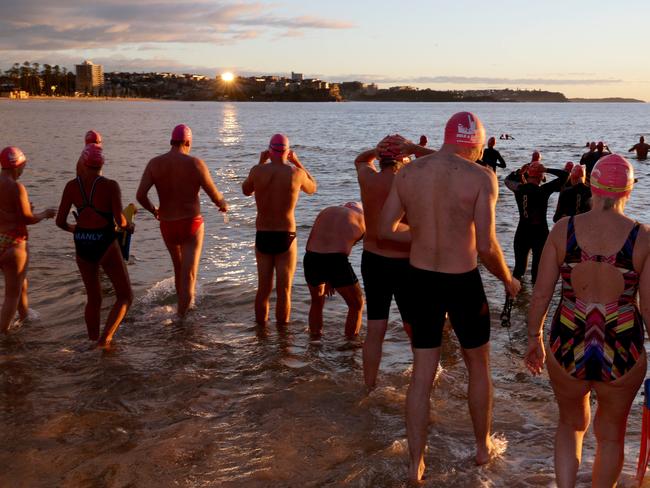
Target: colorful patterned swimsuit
<point x="598" y="341"/>
<point x="12" y="238"/>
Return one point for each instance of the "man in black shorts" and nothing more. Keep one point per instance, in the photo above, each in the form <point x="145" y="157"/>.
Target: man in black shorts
<point x="334" y="233"/>
<point x="449" y="202"/>
<point x="384" y="264"/>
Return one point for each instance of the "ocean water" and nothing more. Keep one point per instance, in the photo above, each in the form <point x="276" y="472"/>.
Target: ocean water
<point x="214" y="401"/>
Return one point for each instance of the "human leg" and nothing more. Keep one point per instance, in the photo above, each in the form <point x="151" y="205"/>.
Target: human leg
<point x="522" y="248"/>
<point x="23" y="304"/>
<point x="372" y="349"/>
<point x="90" y="276"/>
<point x="610" y="421"/>
<point x="265" y="265"/>
<point x="425" y="365"/>
<point x="115" y="268"/>
<point x="13" y="262"/>
<point x="572" y="396"/>
<point x="285" y="267"/>
<point x="316" y="309"/>
<point x="190" y="256"/>
<point x="353" y="297"/>
<point x="537" y="245"/>
<point x="479" y="396"/>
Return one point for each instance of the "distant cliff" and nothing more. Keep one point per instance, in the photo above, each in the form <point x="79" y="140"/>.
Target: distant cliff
<point x="428" y="95"/>
<point x="606" y="100"/>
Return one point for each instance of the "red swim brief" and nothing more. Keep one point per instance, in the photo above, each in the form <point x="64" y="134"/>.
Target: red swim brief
<point x="177" y="232"/>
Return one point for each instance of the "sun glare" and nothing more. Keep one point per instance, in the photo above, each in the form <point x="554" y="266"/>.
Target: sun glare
<point x="227" y="76"/>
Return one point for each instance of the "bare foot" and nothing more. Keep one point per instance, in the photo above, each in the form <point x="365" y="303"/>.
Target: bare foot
<point x="484" y="453"/>
<point x="416" y="472"/>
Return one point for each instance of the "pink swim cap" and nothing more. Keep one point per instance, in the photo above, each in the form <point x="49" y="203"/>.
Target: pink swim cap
<point x="492" y="142"/>
<point x="182" y="133"/>
<point x="578" y="171"/>
<point x="92" y="156"/>
<point x="389" y="147"/>
<point x="93" y="137"/>
<point x="12" y="157"/>
<point x="613" y="176"/>
<point x="279" y="143"/>
<point x="536" y="170"/>
<point x="356" y="206"/>
<point x="464" y="129"/>
<point x="537" y="156"/>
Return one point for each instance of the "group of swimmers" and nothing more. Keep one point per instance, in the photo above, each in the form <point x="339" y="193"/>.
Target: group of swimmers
<point x="424" y="223"/>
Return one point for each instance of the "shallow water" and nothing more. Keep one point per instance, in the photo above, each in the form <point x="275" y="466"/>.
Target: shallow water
<point x="216" y="401"/>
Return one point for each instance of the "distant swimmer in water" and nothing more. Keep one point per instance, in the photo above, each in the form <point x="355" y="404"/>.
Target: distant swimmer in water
<point x="506" y="137"/>
<point x="596" y="339"/>
<point x="491" y="157"/>
<point x="99" y="209"/>
<point x="178" y="178"/>
<point x="447" y="191"/>
<point x="532" y="202"/>
<point x="335" y="231"/>
<point x="16" y="214"/>
<point x="641" y="149"/>
<point x="276" y="185"/>
<point x="384" y="264"/>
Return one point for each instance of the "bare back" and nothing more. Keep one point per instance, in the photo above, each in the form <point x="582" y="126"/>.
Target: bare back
<point x="9" y="203"/>
<point x="177" y="178"/>
<point x="440" y="193"/>
<point x="276" y="186"/>
<point x="336" y="230"/>
<point x="375" y="187"/>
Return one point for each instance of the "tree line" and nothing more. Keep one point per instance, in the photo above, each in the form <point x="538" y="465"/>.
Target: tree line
<point x="37" y="79"/>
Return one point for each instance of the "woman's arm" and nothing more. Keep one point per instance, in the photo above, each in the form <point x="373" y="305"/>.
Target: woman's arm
<point x="25" y="213"/>
<point x="64" y="209"/>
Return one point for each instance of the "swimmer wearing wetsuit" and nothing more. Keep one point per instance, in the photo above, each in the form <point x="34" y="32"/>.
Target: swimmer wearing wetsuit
<point x="641" y="149"/>
<point x="532" y="201"/>
<point x="99" y="209"/>
<point x="276" y="181"/>
<point x="449" y="202"/>
<point x="384" y="264"/>
<point x="15" y="215"/>
<point x="575" y="198"/>
<point x="178" y="178"/>
<point x="327" y="268"/>
<point x="491" y="157"/>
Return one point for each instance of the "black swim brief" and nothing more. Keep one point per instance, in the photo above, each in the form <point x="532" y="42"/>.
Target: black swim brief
<point x="383" y="279"/>
<point x="273" y="242"/>
<point x="332" y="268"/>
<point x="92" y="244"/>
<point x="432" y="294"/>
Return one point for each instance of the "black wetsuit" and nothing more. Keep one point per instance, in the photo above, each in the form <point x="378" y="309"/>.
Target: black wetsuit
<point x="573" y="200"/>
<point x="590" y="159"/>
<point x="532" y="231"/>
<point x="492" y="158"/>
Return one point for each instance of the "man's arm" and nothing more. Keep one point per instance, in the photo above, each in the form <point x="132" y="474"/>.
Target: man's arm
<point x="416" y="149"/>
<point x="487" y="244"/>
<point x="502" y="162"/>
<point x="633" y="148"/>
<point x="558" y="183"/>
<point x="210" y="188"/>
<point x="247" y="187"/>
<point x="513" y="180"/>
<point x="390" y="225"/>
<point x="366" y="160"/>
<point x="309" y="185"/>
<point x="146" y="182"/>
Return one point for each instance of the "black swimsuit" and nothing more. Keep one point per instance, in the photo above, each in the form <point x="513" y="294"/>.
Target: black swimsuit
<point x="92" y="244"/>
<point x="273" y="242"/>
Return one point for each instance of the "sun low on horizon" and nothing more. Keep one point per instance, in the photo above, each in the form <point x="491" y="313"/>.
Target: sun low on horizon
<point x="227" y="76"/>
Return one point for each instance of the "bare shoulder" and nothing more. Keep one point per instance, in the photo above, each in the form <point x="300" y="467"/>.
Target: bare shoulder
<point x="559" y="230"/>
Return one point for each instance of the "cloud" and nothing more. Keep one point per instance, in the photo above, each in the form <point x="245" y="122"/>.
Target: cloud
<point x="34" y="25"/>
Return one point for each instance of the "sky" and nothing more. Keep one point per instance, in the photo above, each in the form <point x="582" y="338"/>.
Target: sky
<point x="581" y="48"/>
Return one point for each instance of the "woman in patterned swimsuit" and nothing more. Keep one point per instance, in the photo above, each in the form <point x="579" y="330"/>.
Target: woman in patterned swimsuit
<point x="15" y="215"/>
<point x="597" y="333"/>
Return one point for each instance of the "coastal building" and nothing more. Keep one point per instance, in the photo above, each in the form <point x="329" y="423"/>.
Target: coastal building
<point x="14" y="94"/>
<point x="296" y="76"/>
<point x="90" y="78"/>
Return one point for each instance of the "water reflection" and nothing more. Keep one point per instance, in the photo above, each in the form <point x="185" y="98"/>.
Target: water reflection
<point x="230" y="130"/>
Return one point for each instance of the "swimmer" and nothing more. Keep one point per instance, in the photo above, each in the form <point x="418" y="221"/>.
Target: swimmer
<point x="384" y="264"/>
<point x="178" y="178"/>
<point x="532" y="202"/>
<point x="327" y="269"/>
<point x="16" y="214"/>
<point x="575" y="198"/>
<point x="491" y="157"/>
<point x="91" y="137"/>
<point x="276" y="180"/>
<point x="641" y="149"/>
<point x="447" y="191"/>
<point x="98" y="201"/>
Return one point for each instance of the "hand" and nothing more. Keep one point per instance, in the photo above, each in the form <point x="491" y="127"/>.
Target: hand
<point x="154" y="212"/>
<point x="49" y="213"/>
<point x="535" y="355"/>
<point x="130" y="228"/>
<point x="513" y="287"/>
<point x="329" y="290"/>
<point x="223" y="207"/>
<point x="264" y="157"/>
<point x="293" y="158"/>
